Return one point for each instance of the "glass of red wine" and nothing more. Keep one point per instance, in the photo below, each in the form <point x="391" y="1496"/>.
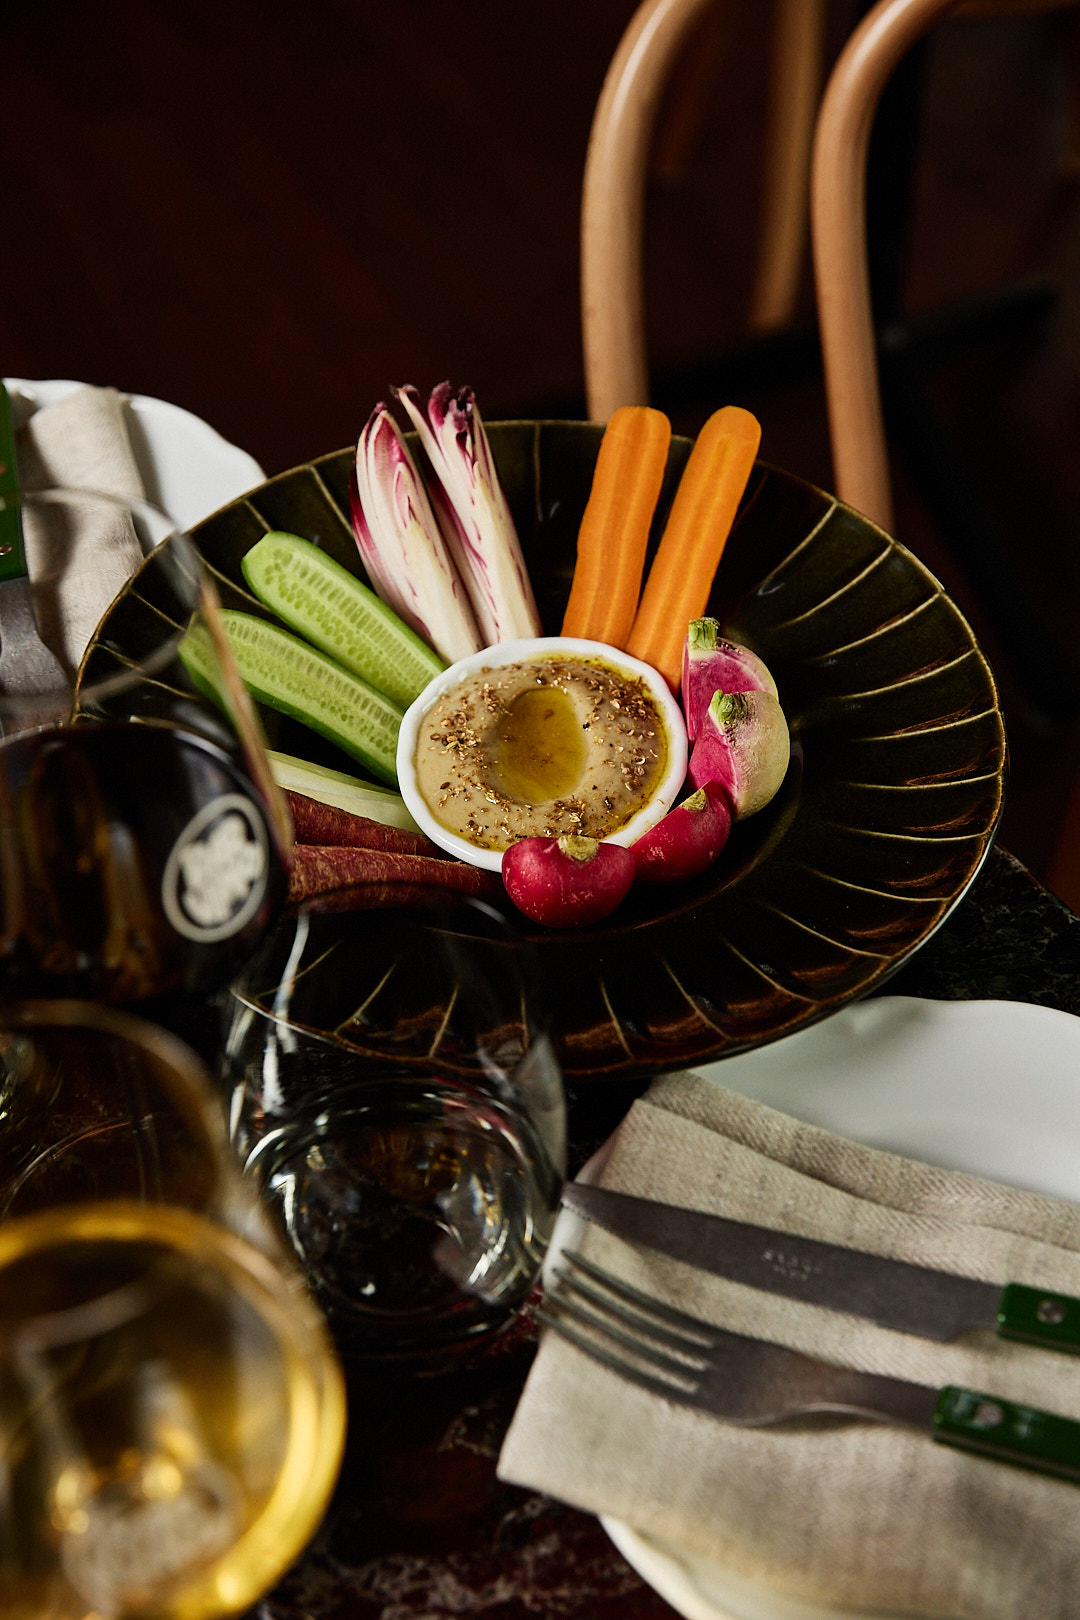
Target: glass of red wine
<point x="142" y="838"/>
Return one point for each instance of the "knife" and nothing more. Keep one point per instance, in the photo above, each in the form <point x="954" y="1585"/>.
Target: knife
<point x="893" y="1293"/>
<point x="752" y="1382"/>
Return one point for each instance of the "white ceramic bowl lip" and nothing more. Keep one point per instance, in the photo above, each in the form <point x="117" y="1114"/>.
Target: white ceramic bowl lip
<point x="515" y="652"/>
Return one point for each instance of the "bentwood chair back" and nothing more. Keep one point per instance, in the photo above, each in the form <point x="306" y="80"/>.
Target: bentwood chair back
<point x="838" y="234"/>
<point x="616" y="170"/>
<point x="613" y="207"/>
<point x="838" y="231"/>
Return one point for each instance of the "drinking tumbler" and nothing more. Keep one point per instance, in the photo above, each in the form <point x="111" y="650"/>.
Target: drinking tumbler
<point x="391" y="1088"/>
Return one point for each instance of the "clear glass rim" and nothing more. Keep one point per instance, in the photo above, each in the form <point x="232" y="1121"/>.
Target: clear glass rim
<point x="196" y="595"/>
<point x="182" y="1074"/>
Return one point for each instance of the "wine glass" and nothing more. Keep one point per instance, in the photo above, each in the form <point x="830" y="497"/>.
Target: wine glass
<point x="142" y="838"/>
<point x="171" y="1408"/>
<point x="393" y="1091"/>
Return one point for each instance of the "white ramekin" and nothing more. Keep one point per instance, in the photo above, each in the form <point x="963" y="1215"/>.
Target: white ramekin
<point x="516" y="652"/>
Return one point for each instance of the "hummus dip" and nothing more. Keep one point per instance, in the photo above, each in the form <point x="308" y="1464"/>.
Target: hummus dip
<point x="541" y="748"/>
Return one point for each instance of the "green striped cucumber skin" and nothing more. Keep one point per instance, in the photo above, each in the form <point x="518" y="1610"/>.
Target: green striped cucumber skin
<point x="285" y="673"/>
<point x="326" y="605"/>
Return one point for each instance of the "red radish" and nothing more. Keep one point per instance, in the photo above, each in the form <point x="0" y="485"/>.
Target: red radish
<point x="744" y="747"/>
<point x="317" y="823"/>
<point x="569" y="881"/>
<point x="687" y="840"/>
<point x="712" y="664"/>
<point x="319" y="868"/>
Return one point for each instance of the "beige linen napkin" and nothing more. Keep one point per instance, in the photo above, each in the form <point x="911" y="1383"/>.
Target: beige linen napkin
<point x="78" y="556"/>
<point x="847" y="1513"/>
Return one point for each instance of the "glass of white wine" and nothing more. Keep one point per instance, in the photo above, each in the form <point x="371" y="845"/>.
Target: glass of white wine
<point x="172" y="1410"/>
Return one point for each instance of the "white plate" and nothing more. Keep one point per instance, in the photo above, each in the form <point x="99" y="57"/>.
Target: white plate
<point x="188" y="469"/>
<point x="990" y="1087"/>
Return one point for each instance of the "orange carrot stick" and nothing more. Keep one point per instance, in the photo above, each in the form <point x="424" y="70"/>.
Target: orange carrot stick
<point x="615" y="527"/>
<point x="681" y="576"/>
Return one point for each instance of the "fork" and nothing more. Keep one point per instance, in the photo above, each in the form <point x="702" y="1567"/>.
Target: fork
<point x="753" y="1383"/>
<point x="29" y="670"/>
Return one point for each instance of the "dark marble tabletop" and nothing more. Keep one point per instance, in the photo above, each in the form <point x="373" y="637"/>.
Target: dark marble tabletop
<point x="421" y="1529"/>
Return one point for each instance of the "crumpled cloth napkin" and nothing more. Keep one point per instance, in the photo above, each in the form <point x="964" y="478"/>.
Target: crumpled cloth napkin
<point x="846" y="1513"/>
<point x="78" y="555"/>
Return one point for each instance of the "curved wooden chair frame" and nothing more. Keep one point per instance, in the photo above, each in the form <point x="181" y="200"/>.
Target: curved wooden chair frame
<point x="616" y="167"/>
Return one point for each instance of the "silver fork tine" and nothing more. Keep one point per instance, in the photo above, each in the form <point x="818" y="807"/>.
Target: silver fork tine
<point x="754" y="1383"/>
<point x="745" y="1380"/>
<point x="698" y="1332"/>
<point x="620" y="1305"/>
<point x="628" y="1336"/>
<point x="551" y="1315"/>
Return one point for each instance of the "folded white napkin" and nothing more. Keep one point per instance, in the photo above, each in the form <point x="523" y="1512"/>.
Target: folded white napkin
<point x="78" y="556"/>
<point x="848" y="1513"/>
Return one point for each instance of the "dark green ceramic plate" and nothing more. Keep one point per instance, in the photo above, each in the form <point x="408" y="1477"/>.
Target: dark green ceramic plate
<point x="889" y="807"/>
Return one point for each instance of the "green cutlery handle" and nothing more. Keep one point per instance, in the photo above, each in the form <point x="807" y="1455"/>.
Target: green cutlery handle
<point x="1039" y="1317"/>
<point x="12" y="560"/>
<point x="12" y="557"/>
<point x="1008" y="1432"/>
